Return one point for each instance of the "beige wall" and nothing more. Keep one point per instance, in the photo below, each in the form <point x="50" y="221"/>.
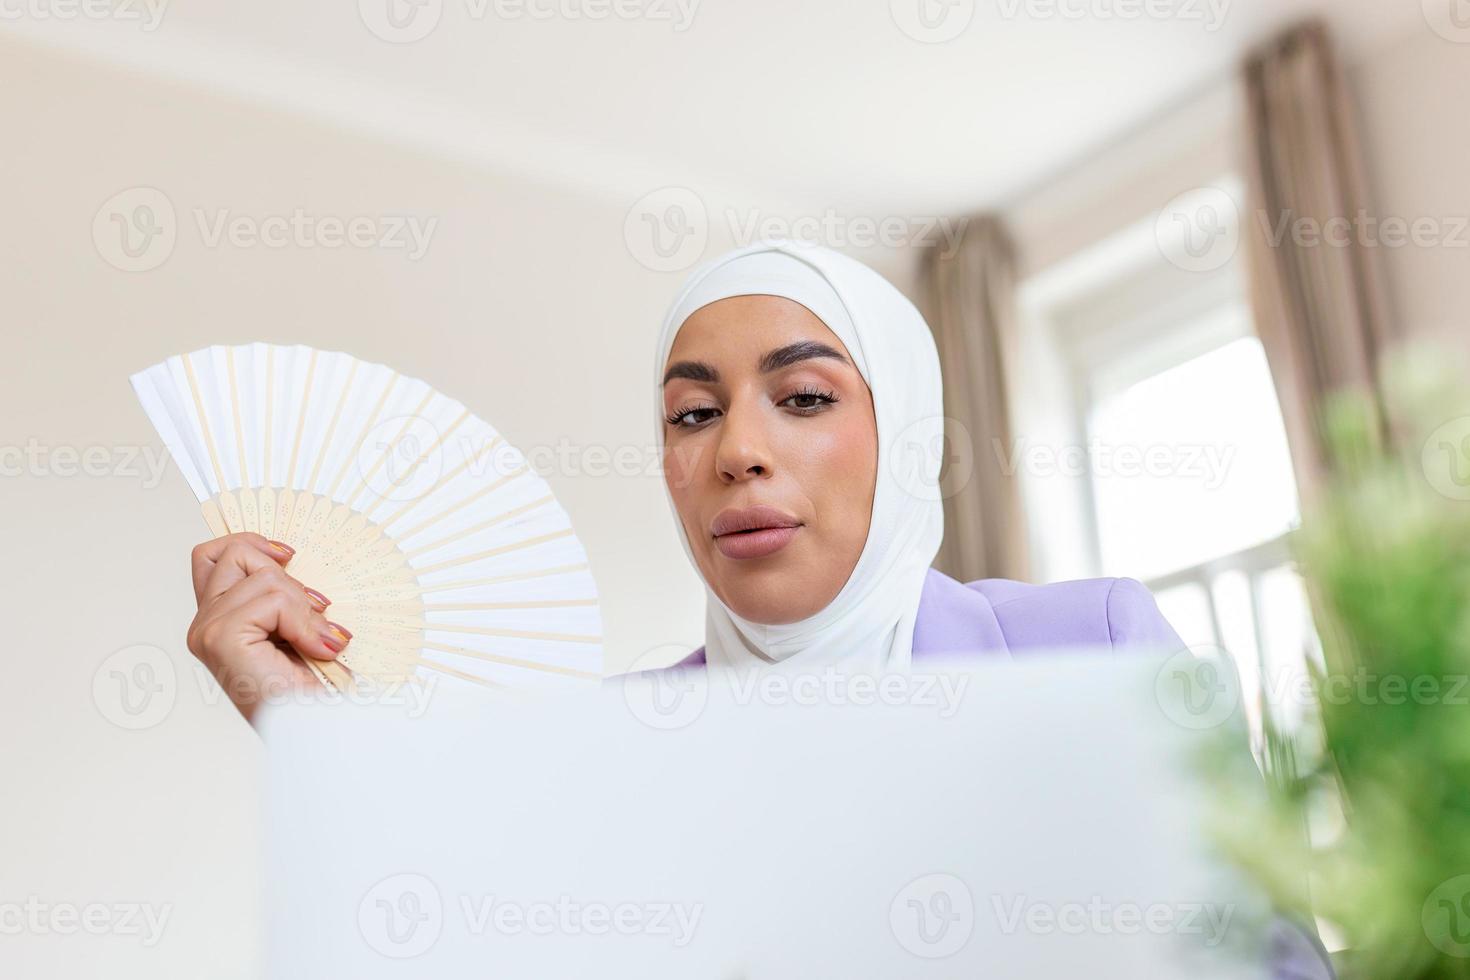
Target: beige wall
<point x="1411" y="96"/>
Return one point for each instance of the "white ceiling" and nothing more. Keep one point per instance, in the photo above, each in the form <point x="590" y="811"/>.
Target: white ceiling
<point x="810" y="103"/>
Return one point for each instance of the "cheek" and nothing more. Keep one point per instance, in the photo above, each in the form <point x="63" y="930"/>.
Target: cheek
<point x="684" y="462"/>
<point x="682" y="475"/>
<point x="836" y="465"/>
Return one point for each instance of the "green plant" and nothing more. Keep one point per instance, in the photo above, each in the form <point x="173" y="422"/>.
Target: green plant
<point x="1383" y="781"/>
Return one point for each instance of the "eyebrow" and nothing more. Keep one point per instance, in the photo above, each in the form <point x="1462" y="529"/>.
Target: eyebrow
<point x="774" y="360"/>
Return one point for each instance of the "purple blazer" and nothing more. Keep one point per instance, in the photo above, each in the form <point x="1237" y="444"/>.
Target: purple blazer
<point x="998" y="617"/>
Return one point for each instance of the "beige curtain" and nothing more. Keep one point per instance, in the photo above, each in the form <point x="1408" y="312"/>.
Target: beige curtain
<point x="1318" y="306"/>
<point x="969" y="293"/>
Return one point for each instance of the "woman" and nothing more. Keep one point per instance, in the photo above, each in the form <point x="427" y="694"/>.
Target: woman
<point x="800" y="397"/>
<point x="799" y="401"/>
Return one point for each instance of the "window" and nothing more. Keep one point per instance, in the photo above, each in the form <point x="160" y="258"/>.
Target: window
<point x="1203" y="518"/>
<point x="1188" y="484"/>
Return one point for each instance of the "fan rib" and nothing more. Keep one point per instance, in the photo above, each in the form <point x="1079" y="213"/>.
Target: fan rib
<point x="270" y="405"/>
<point x="321" y="456"/>
<point x="492" y="552"/>
<point x="362" y="439"/>
<point x="301" y="422"/>
<point x="463" y="675"/>
<point x="239" y="420"/>
<point x="482" y="492"/>
<point x="387" y="452"/>
<point x="510" y="634"/>
<point x="439" y="486"/>
<point x="497" y="658"/>
<point x="425" y="455"/>
<point x="497" y="606"/>
<point x="219" y="473"/>
<point x="501" y="579"/>
<point x="482" y="526"/>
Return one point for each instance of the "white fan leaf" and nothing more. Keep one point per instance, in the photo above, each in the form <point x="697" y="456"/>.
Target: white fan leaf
<point x="442" y="552"/>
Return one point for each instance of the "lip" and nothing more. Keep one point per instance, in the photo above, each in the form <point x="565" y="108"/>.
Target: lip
<point x="753" y="532"/>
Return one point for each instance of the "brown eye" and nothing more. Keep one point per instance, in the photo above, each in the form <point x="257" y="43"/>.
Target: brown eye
<point x="809" y="400"/>
<point x="691" y="417"/>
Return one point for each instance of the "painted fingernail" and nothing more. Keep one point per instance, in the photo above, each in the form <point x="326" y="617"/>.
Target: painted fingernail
<point x="317" y="599"/>
<point x="340" y="634"/>
<point x="282" y="547"/>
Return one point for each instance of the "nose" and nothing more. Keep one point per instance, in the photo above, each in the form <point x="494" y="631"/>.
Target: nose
<point x="744" y="451"/>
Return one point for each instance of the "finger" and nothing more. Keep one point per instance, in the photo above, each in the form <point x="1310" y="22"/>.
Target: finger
<point x="262" y="582"/>
<point x="310" y="633"/>
<point x="233" y="564"/>
<point x="206" y="556"/>
<point x="267" y="605"/>
<point x="226" y="590"/>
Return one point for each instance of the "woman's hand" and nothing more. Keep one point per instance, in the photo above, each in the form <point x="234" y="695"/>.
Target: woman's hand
<point x="252" y="615"/>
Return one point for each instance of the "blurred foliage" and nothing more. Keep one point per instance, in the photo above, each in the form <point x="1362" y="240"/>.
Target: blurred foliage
<point x="1383" y="778"/>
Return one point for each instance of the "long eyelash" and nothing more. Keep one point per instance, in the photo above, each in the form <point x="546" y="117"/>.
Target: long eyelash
<point x="677" y="416"/>
<point x="811" y="391"/>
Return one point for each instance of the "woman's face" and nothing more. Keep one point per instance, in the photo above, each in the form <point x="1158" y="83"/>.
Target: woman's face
<point x="771" y="455"/>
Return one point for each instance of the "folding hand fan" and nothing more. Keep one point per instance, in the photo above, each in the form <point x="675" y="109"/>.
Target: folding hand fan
<point x="440" y="549"/>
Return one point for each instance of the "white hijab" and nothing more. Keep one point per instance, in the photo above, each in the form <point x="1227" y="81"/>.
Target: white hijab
<point x="869" y="626"/>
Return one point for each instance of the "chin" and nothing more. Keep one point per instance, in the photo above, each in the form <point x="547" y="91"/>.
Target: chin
<point x="772" y="596"/>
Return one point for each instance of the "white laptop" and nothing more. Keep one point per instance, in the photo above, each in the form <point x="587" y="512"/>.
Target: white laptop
<point x="1026" y="820"/>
